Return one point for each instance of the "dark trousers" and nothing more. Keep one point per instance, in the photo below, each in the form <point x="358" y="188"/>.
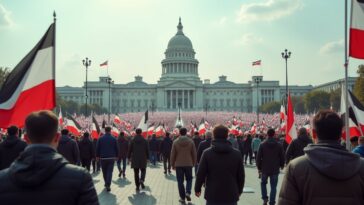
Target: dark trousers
<point x="118" y="164"/>
<point x="182" y="173"/>
<point x="95" y="165"/>
<point x="211" y="203"/>
<point x="140" y="178"/>
<point x="273" y="188"/>
<point x="107" y="166"/>
<point x="249" y="153"/>
<point x="255" y="155"/>
<point x="166" y="160"/>
<point x="153" y="157"/>
<point x="86" y="163"/>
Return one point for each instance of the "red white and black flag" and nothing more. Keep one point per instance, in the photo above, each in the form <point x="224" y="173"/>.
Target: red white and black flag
<point x="104" y="64"/>
<point x="30" y="86"/>
<point x="356" y="48"/>
<point x="257" y="63"/>
<point x="72" y="126"/>
<point x="95" y="129"/>
<point x="143" y="124"/>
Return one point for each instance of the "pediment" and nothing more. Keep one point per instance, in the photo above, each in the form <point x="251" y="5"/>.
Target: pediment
<point x="180" y="84"/>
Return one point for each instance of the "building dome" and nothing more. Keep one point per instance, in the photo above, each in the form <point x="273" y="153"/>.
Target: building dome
<point x="180" y="40"/>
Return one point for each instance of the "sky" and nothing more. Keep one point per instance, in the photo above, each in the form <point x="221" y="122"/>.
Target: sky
<point x="226" y="35"/>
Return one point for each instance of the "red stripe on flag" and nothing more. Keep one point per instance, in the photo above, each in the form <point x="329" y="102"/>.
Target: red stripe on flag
<point x="39" y="97"/>
<point x="356" y="47"/>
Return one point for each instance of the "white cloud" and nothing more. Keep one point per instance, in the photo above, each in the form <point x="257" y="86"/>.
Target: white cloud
<point x="332" y="47"/>
<point x="222" y="20"/>
<point x="5" y="19"/>
<point x="268" y="10"/>
<point x="249" y="39"/>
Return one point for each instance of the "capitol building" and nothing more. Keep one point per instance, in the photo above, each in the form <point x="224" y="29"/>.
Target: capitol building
<point x="181" y="86"/>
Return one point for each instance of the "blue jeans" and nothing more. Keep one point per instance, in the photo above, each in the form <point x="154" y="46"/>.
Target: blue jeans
<point x="153" y="157"/>
<point x="273" y="187"/>
<point x="182" y="173"/>
<point x="107" y="166"/>
<point x="118" y="164"/>
<point x="211" y="203"/>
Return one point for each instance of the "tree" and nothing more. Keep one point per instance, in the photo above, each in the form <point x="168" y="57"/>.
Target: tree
<point x="271" y="107"/>
<point x="335" y="99"/>
<point x="4" y="72"/>
<point x="359" y="84"/>
<point x="316" y="100"/>
<point x="298" y="104"/>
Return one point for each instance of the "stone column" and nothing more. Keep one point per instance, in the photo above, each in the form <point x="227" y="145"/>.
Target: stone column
<point x="183" y="99"/>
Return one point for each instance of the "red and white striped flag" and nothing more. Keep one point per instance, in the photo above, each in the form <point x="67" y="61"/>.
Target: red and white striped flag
<point x="104" y="64"/>
<point x="291" y="131"/>
<point x="356" y="48"/>
<point x="257" y="63"/>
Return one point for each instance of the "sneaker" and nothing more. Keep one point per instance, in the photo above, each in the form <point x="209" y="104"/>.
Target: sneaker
<point x="165" y="172"/>
<point x="137" y="189"/>
<point x="108" y="189"/>
<point x="265" y="202"/>
<point x="123" y="175"/>
<point x="119" y="174"/>
<point x="182" y="201"/>
<point x="188" y="197"/>
<point x="142" y="185"/>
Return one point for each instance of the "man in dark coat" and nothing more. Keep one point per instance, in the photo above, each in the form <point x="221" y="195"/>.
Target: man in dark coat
<point x="138" y="155"/>
<point x="68" y="148"/>
<point x="221" y="169"/>
<point x="11" y="147"/>
<point x="95" y="163"/>
<point x="153" y="148"/>
<point x="295" y="149"/>
<point x="166" y="147"/>
<point x="204" y="145"/>
<point x="107" y="153"/>
<point x="87" y="151"/>
<point x="123" y="145"/>
<point x="270" y="158"/>
<point x="196" y="140"/>
<point x="42" y="176"/>
<point x="327" y="173"/>
<point x="248" y="152"/>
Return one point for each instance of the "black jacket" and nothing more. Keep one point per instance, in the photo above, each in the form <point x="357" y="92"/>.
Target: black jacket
<point x="295" y="149"/>
<point x="247" y="145"/>
<point x="270" y="157"/>
<point x="221" y="169"/>
<point x="138" y="152"/>
<point x="166" y="146"/>
<point x="123" y="145"/>
<point x="10" y="149"/>
<point x="153" y="145"/>
<point x="68" y="148"/>
<point x="41" y="176"/>
<point x="86" y="148"/>
<point x="197" y="141"/>
<point x="202" y="147"/>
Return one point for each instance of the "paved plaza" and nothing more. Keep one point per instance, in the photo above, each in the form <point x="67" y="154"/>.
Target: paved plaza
<point x="162" y="189"/>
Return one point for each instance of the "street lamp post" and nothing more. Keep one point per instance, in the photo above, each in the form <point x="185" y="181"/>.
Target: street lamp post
<point x="257" y="80"/>
<point x="285" y="55"/>
<point x="206" y="108"/>
<point x="86" y="62"/>
<point x="152" y="107"/>
<point x="109" y="81"/>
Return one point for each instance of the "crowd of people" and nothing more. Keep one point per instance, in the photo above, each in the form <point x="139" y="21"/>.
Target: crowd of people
<point x="47" y="165"/>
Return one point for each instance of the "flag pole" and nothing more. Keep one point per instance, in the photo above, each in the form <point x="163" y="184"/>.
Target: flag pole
<point x="54" y="55"/>
<point x="346" y="79"/>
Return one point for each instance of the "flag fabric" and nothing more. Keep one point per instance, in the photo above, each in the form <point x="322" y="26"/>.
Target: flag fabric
<point x="95" y="129"/>
<point x="60" y="118"/>
<point x="202" y="128"/>
<point x="291" y="131"/>
<point x="160" y="131"/>
<point x="114" y="131"/>
<point x="117" y="120"/>
<point x="282" y="114"/>
<point x="257" y="63"/>
<point x="143" y="124"/>
<point x="30" y="86"/>
<point x="150" y="130"/>
<point x="357" y="115"/>
<point x="356" y="42"/>
<point x="72" y="126"/>
<point x="104" y="64"/>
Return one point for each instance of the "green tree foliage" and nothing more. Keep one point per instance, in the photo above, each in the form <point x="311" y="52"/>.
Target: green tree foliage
<point x="298" y="104"/>
<point x="4" y="72"/>
<point x="72" y="107"/>
<point x="335" y="99"/>
<point x="271" y="107"/>
<point x="316" y="100"/>
<point x="359" y="84"/>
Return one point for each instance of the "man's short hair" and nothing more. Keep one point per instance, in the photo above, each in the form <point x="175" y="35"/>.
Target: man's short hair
<point x="271" y="132"/>
<point x="167" y="134"/>
<point x="183" y="131"/>
<point x="107" y="129"/>
<point x="41" y="126"/>
<point x="220" y="132"/>
<point x="354" y="139"/>
<point x="196" y="133"/>
<point x="208" y="134"/>
<point x="328" y="125"/>
<point x="86" y="135"/>
<point x="64" y="132"/>
<point x="138" y="131"/>
<point x="121" y="134"/>
<point x="302" y="132"/>
<point x="13" y="130"/>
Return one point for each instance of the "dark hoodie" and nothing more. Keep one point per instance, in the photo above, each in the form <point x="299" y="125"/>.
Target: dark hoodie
<point x="86" y="148"/>
<point x="138" y="152"/>
<point x="295" y="149"/>
<point x="326" y="174"/>
<point x="270" y="157"/>
<point x="221" y="169"/>
<point x="183" y="152"/>
<point x="42" y="176"/>
<point x="10" y="149"/>
<point x="68" y="148"/>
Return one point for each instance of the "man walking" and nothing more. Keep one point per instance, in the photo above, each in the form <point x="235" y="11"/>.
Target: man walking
<point x="95" y="163"/>
<point x="138" y="155"/>
<point x="295" y="149"/>
<point x="183" y="158"/>
<point x="166" y="147"/>
<point x="123" y="145"/>
<point x="68" y="148"/>
<point x="11" y="147"/>
<point x="221" y="170"/>
<point x="270" y="158"/>
<point x="204" y="145"/>
<point x="255" y="146"/>
<point x="87" y="151"/>
<point x="42" y="176"/>
<point x="153" y="148"/>
<point x="107" y="153"/>
<point x="327" y="173"/>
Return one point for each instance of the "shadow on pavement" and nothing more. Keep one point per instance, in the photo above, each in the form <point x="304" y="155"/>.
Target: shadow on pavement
<point x="142" y="198"/>
<point x="108" y="197"/>
<point x="170" y="177"/>
<point x="121" y="182"/>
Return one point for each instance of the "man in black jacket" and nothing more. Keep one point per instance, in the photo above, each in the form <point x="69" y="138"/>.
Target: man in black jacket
<point x="42" y="176"/>
<point x="68" y="148"/>
<point x="11" y="147"/>
<point x="270" y="158"/>
<point x="87" y="151"/>
<point x="153" y="148"/>
<point x="123" y="145"/>
<point x="295" y="149"/>
<point x="166" y="147"/>
<point x="204" y="145"/>
<point x="221" y="169"/>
